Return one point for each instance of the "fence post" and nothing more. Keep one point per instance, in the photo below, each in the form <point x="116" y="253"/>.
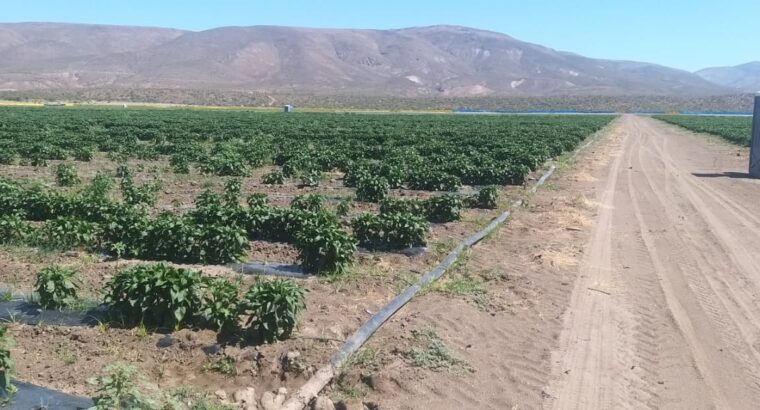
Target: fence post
<point x="754" y="147"/>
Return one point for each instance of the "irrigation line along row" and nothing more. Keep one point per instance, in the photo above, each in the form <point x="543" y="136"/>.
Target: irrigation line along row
<point x="322" y="377"/>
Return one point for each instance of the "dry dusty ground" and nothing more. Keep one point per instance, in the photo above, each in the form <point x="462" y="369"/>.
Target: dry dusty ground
<point x="677" y="249"/>
<point x="632" y="282"/>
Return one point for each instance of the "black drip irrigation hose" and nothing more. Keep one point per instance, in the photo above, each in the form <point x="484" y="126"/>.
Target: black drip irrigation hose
<point x="314" y="385"/>
<point x="363" y="333"/>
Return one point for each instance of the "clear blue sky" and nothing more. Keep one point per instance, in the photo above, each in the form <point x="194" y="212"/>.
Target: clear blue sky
<point x="683" y="34"/>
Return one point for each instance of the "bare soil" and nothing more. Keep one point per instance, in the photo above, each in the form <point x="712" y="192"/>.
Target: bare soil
<point x="676" y="248"/>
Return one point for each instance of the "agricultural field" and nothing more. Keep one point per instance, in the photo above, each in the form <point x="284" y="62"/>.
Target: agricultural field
<point x="144" y="212"/>
<point x="737" y="130"/>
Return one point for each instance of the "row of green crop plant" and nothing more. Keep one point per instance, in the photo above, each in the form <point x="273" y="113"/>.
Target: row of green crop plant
<point x="216" y="231"/>
<point x="734" y="129"/>
<point x="219" y="228"/>
<point x="425" y="152"/>
<point x="160" y="296"/>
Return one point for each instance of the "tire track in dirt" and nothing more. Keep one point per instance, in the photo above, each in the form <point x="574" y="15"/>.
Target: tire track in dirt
<point x="589" y="351"/>
<point x="683" y="310"/>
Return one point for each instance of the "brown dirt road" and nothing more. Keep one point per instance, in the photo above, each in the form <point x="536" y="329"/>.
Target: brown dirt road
<point x="631" y="281"/>
<point x="666" y="312"/>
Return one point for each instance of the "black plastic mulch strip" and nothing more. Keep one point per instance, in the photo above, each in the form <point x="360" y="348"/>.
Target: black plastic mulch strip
<point x="271" y="269"/>
<point x="31" y="397"/>
<point x="20" y="311"/>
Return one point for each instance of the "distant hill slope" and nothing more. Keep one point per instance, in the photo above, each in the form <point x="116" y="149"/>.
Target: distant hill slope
<point x="428" y="61"/>
<point x="745" y="77"/>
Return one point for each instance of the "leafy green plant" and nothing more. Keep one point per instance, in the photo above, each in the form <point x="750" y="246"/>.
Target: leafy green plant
<point x="325" y="248"/>
<point x="406" y="206"/>
<point x="444" y="208"/>
<point x="488" y="197"/>
<point x="56" y="287"/>
<point x="232" y="188"/>
<point x="354" y="174"/>
<point x="218" y="244"/>
<point x="100" y="187"/>
<point x="83" y="154"/>
<point x="225" y="162"/>
<point x="118" y="389"/>
<point x="273" y="178"/>
<point x="69" y="233"/>
<point x="7" y="157"/>
<point x="308" y="202"/>
<point x="15" y="230"/>
<point x="434" y="180"/>
<point x="372" y="189"/>
<point x="312" y="178"/>
<point x="344" y="206"/>
<point x="390" y="231"/>
<point x="155" y="295"/>
<point x="221" y="304"/>
<point x="66" y="175"/>
<point x="138" y="195"/>
<point x="273" y="308"/>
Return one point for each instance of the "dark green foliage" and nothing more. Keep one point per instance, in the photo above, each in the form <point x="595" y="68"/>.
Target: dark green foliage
<point x="218" y="244"/>
<point x="401" y="148"/>
<point x="372" y="189"/>
<point x="433" y="180"/>
<point x="221" y="304"/>
<point x="273" y="178"/>
<point x="344" y="206"/>
<point x="734" y="129"/>
<point x="66" y="175"/>
<point x="354" y="174"/>
<point x="56" y="287"/>
<point x="257" y="200"/>
<point x="83" y="154"/>
<point x="138" y="195"/>
<point x="325" y="248"/>
<point x="16" y="230"/>
<point x="232" y="188"/>
<point x="100" y="187"/>
<point x="7" y="156"/>
<point x="158" y="296"/>
<point x="69" y="233"/>
<point x="128" y="226"/>
<point x="487" y="198"/>
<point x="444" y="208"/>
<point x="123" y="171"/>
<point x="225" y="162"/>
<point x="390" y="231"/>
<point x="180" y="165"/>
<point x="404" y="206"/>
<point x="272" y="308"/>
<point x="309" y="202"/>
<point x="311" y="178"/>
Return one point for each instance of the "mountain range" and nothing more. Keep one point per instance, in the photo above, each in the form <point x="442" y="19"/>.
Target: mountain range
<point x="744" y="77"/>
<point x="449" y="61"/>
